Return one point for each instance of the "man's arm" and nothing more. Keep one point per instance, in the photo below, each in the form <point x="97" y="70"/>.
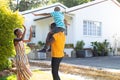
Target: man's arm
<point x="42" y="14"/>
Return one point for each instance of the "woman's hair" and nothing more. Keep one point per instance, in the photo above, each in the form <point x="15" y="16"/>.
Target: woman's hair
<point x="15" y="31"/>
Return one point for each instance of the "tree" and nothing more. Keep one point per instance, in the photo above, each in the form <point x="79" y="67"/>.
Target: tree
<point x="29" y="4"/>
<point x="118" y="0"/>
<point x="9" y="20"/>
<point x="71" y="3"/>
<point x="23" y="5"/>
<point x="11" y="5"/>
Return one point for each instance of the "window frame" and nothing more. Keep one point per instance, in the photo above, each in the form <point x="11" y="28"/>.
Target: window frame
<point x="92" y="28"/>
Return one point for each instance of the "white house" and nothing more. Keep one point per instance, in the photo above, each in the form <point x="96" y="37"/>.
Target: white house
<point x="94" y="21"/>
<point x="40" y="23"/>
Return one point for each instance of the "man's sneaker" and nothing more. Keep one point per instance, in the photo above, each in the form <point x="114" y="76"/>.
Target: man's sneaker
<point x="42" y="50"/>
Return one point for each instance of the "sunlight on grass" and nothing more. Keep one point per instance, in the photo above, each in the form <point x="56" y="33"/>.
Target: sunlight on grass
<point x="38" y="71"/>
<point x="36" y="74"/>
<point x="11" y="77"/>
<point x="42" y="75"/>
<point x="46" y="75"/>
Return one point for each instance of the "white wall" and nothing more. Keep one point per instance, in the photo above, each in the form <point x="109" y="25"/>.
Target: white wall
<point x="28" y="22"/>
<point x="107" y="12"/>
<point x="70" y="32"/>
<point x="42" y="28"/>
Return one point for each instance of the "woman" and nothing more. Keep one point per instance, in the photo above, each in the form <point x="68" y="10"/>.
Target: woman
<point x="22" y="64"/>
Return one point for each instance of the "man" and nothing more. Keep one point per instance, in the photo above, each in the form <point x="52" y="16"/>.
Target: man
<point x="57" y="51"/>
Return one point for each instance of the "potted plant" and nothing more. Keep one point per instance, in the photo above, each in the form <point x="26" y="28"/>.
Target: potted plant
<point x="100" y="48"/>
<point x="95" y="47"/>
<point x="80" y="52"/>
<point x="111" y="51"/>
<point x="40" y="44"/>
<point x="68" y="49"/>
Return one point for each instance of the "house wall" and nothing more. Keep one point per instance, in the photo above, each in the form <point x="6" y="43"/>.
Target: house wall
<point x="107" y="12"/>
<point x="28" y="22"/>
<point x="70" y="30"/>
<point x="42" y="29"/>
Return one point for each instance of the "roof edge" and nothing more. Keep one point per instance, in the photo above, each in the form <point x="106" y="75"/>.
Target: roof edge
<point x="87" y="5"/>
<point x="116" y="2"/>
<point x="42" y="8"/>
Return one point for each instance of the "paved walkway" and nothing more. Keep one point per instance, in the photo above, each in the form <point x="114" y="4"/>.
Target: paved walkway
<point x="109" y="62"/>
<point x="106" y="63"/>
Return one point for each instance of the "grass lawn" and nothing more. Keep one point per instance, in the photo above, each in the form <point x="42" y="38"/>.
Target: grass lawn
<point x="11" y="77"/>
<point x="42" y="75"/>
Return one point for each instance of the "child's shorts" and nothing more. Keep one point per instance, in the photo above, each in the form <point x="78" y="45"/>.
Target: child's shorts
<point x="58" y="29"/>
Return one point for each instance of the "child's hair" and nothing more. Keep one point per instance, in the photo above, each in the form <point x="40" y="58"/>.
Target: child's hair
<point x="15" y="31"/>
<point x="53" y="25"/>
<point x="56" y="9"/>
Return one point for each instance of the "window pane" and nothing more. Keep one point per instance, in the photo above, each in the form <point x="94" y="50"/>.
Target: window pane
<point x="84" y="28"/>
<point x="33" y="30"/>
<point x="92" y="28"/>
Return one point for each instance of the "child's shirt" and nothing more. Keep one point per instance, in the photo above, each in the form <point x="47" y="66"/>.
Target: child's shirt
<point x="58" y="18"/>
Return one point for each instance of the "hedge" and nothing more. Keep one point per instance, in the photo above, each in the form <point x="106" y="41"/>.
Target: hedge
<point x="9" y="20"/>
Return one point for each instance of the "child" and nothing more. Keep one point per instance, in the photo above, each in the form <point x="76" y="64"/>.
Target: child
<point x="59" y="21"/>
<point x="23" y="71"/>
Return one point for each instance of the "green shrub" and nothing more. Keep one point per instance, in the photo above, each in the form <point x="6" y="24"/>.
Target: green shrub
<point x="79" y="45"/>
<point x="9" y="20"/>
<point x="10" y="77"/>
<point x="41" y="43"/>
<point x="101" y="47"/>
<point x="69" y="45"/>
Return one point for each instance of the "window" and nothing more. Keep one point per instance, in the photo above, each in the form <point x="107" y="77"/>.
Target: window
<point x="34" y="32"/>
<point x="92" y="28"/>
